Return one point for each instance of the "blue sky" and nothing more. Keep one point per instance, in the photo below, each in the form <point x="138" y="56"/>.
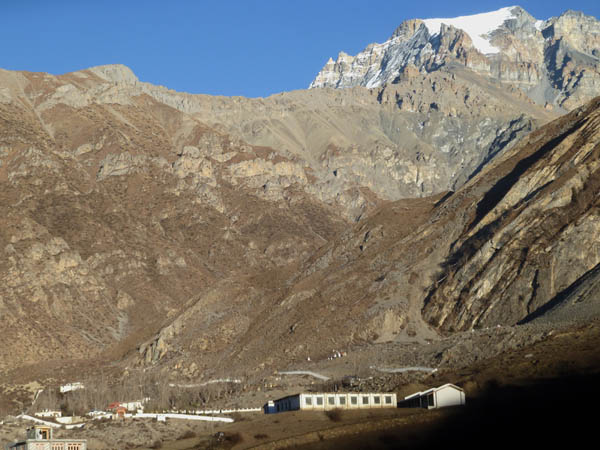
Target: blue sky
<point x="228" y="47"/>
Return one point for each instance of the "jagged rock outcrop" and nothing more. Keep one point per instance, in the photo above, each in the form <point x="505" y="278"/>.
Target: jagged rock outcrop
<point x="556" y="61"/>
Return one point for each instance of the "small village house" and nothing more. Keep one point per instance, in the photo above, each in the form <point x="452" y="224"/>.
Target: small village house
<point x="71" y="387"/>
<point x="118" y="410"/>
<point x="446" y="395"/>
<point x="47" y="413"/>
<point x="39" y="437"/>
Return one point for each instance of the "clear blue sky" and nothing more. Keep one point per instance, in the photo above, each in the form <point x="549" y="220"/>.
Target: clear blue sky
<point x="228" y="47"/>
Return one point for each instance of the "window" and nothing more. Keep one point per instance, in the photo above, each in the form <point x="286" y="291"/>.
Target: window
<point x="365" y="400"/>
<point x="388" y="399"/>
<point x="430" y="400"/>
<point x="331" y="401"/>
<point x="319" y="401"/>
<point x="308" y="401"/>
<point x="342" y="400"/>
<point x="376" y="400"/>
<point x="354" y="400"/>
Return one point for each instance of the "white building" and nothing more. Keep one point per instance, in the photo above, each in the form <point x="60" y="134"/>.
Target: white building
<point x="331" y="400"/>
<point x="71" y="387"/>
<point x="49" y="413"/>
<point x="39" y="437"/>
<point x="134" y="405"/>
<point x="446" y="395"/>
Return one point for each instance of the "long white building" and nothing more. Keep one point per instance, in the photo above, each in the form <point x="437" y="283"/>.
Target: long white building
<point x="331" y="400"/>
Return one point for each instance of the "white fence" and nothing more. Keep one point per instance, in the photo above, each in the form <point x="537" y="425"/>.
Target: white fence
<point x="404" y="369"/>
<point x="50" y="424"/>
<point x="162" y="417"/>
<point x="305" y="372"/>
<point x="206" y="383"/>
<point x="228" y="411"/>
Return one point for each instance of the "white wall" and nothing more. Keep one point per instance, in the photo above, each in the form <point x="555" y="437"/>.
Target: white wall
<point x="376" y="400"/>
<point x="449" y="396"/>
<point x="307" y="401"/>
<point x="319" y="401"/>
<point x="331" y="401"/>
<point x="353" y="401"/>
<point x="393" y="401"/>
<point x="344" y="401"/>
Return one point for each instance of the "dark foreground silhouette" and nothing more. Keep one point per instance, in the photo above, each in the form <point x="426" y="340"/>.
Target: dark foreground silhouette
<point x="554" y="413"/>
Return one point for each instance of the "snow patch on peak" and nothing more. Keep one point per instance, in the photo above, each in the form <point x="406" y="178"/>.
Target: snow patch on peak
<point x="539" y="24"/>
<point x="477" y="26"/>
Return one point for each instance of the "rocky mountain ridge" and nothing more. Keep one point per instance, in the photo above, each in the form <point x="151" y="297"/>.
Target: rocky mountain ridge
<point x="555" y="61"/>
<point x="397" y="142"/>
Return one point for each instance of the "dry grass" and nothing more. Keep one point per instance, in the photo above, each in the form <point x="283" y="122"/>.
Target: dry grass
<point x="187" y="435"/>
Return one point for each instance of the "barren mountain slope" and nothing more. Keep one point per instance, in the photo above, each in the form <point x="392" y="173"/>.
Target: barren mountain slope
<point x="511" y="243"/>
<point x="115" y="216"/>
<point x="125" y="204"/>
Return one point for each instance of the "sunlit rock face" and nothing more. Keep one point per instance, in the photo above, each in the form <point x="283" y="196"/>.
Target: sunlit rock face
<point x="529" y="241"/>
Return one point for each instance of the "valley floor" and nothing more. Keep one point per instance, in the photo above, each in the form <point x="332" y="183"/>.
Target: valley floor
<point x="533" y="394"/>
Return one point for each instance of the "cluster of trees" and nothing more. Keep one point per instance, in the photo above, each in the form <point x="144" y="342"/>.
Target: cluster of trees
<point x="101" y="391"/>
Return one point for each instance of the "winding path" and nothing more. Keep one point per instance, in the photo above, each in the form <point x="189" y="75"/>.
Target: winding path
<point x="405" y="369"/>
<point x="305" y="372"/>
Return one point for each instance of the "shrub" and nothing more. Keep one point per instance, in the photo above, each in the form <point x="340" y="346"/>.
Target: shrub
<point x="335" y="415"/>
<point x="234" y="438"/>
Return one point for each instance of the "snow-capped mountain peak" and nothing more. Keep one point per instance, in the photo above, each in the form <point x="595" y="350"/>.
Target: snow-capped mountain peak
<point x="477" y="26"/>
<point x="418" y="42"/>
<point x="556" y="62"/>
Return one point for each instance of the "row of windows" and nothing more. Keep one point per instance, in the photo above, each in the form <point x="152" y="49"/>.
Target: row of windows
<point x="308" y="401"/>
<point x="67" y="446"/>
<point x="52" y="446"/>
